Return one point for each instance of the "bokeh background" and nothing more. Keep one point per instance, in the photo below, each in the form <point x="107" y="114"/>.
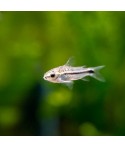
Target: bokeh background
<point x="32" y="43"/>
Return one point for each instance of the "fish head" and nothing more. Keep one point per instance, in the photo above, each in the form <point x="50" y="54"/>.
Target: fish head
<point x="52" y="76"/>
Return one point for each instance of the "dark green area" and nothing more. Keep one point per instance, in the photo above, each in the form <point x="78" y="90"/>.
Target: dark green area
<point x="32" y="43"/>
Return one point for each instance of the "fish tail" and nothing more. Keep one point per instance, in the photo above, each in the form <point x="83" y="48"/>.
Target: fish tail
<point x="96" y="73"/>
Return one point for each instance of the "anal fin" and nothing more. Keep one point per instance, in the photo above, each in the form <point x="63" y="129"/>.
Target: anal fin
<point x="85" y="79"/>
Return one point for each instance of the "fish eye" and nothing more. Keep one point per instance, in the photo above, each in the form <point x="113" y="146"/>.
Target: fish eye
<point x="52" y="75"/>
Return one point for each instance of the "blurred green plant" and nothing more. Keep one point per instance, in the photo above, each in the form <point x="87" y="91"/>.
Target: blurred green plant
<point x="33" y="42"/>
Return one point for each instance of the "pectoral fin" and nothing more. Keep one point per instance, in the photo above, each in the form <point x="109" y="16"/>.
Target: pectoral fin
<point x="65" y="77"/>
<point x="69" y="84"/>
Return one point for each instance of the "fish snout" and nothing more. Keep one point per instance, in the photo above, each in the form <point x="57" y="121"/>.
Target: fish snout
<point x="44" y="77"/>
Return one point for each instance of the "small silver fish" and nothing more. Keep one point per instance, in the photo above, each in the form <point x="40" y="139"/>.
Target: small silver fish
<point x="67" y="74"/>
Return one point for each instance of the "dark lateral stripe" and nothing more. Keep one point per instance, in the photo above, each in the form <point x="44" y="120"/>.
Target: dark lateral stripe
<point x="89" y="71"/>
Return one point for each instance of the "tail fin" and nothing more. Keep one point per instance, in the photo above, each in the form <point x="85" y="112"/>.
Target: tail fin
<point x="96" y="73"/>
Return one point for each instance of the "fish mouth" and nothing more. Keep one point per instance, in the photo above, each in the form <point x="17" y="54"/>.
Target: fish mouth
<point x="44" y="77"/>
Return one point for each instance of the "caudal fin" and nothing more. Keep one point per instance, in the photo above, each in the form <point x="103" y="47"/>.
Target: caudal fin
<point x="96" y="73"/>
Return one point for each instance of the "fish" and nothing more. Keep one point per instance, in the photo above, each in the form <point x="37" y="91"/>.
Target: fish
<point x="67" y="74"/>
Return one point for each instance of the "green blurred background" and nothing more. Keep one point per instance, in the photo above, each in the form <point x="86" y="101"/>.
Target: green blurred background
<point x="32" y="43"/>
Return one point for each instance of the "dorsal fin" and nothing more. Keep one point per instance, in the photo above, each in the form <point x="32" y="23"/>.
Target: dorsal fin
<point x="70" y="61"/>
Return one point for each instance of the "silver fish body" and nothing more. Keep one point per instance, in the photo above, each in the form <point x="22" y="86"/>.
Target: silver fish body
<point x="67" y="74"/>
